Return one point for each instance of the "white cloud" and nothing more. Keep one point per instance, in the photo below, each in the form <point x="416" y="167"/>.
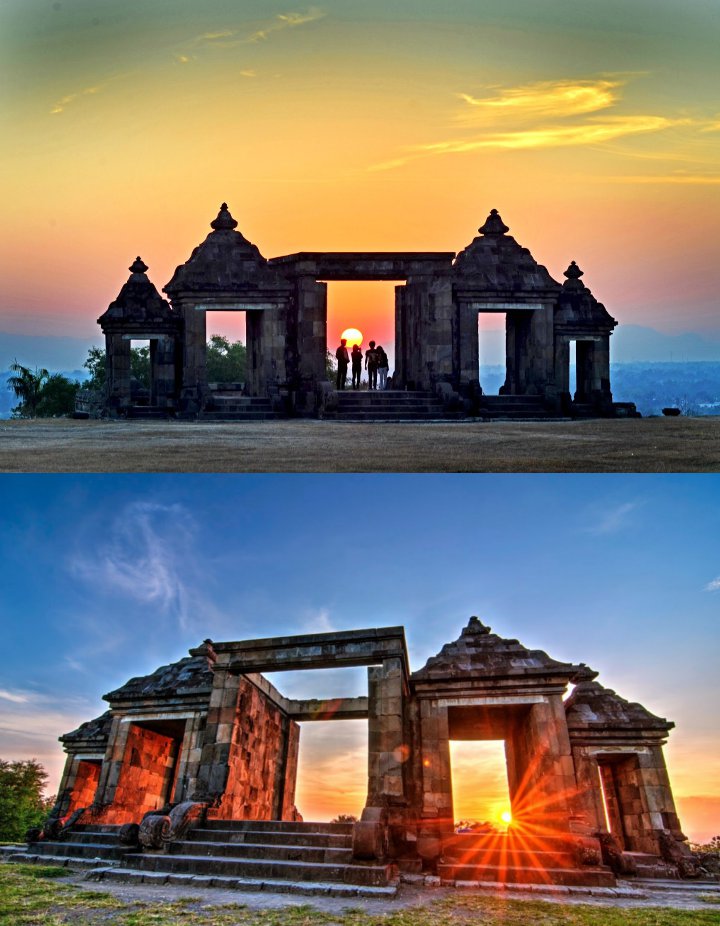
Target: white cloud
<point x="11" y="696"/>
<point x="713" y="586"/>
<point x="145" y="558"/>
<point x="612" y="519"/>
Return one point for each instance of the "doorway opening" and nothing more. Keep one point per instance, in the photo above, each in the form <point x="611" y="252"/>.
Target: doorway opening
<point x="491" y="351"/>
<point x="330" y="707"/>
<point x="572" y="380"/>
<point x="480" y="789"/>
<point x="368" y="306"/>
<point x="226" y="350"/>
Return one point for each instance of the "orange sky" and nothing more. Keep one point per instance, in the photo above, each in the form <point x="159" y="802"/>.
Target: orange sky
<point x="593" y="130"/>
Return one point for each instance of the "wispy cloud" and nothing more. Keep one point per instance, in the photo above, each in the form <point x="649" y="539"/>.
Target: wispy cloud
<point x="544" y="114"/>
<point x="546" y="98"/>
<point x="61" y="105"/>
<point x="228" y="38"/>
<point x="713" y="586"/>
<point x="286" y="21"/>
<point x="679" y="178"/>
<point x="612" y="519"/>
<point x="13" y="696"/>
<point x="144" y="558"/>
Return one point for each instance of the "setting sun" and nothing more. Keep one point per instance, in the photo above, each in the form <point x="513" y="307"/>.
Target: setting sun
<point x="352" y="336"/>
<point x="506" y="816"/>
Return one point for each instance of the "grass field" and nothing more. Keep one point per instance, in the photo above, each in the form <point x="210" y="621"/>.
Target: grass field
<point x="31" y="895"/>
<point x="633" y="445"/>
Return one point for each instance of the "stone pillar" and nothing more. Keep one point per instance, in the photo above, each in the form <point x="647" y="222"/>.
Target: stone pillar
<point x="386" y="747"/>
<point x="536" y="356"/>
<point x="194" y="359"/>
<point x="401" y="339"/>
<point x="117" y="370"/>
<point x="438" y="359"/>
<point x="113" y="762"/>
<point x="292" y="747"/>
<point x="189" y="759"/>
<point x="162" y="371"/>
<point x="214" y="765"/>
<point x="311" y="308"/>
<point x="468" y="348"/>
<point x="541" y="774"/>
<point x="562" y="364"/>
<point x="436" y="816"/>
<point x="583" y="366"/>
<point x="646" y="801"/>
<point x="590" y="796"/>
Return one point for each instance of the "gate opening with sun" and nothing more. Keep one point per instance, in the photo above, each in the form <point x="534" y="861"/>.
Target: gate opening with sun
<point x="481" y="798"/>
<point x="332" y="770"/>
<point x="362" y="311"/>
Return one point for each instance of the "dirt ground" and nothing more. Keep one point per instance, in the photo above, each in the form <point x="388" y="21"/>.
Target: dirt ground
<point x="679" y="896"/>
<point x="634" y="445"/>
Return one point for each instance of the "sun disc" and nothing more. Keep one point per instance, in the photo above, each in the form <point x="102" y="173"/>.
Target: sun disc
<point x="506" y="816"/>
<point x="353" y="336"/>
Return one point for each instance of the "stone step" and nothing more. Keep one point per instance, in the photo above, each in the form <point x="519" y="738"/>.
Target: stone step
<point x="273" y="869"/>
<point x="111" y="829"/>
<point x="237" y="416"/>
<point x="279" y="826"/>
<point x="60" y="861"/>
<point x="90" y="836"/>
<point x="270" y="838"/>
<point x="591" y="877"/>
<point x="68" y="849"/>
<point x="516" y="858"/>
<point x="288" y="853"/>
<point x="279" y="886"/>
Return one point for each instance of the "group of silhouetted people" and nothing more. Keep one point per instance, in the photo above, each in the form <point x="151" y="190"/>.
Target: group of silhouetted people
<point x="376" y="364"/>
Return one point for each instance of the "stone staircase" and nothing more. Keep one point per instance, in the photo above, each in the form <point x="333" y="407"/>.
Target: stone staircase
<point x="519" y="407"/>
<point x="247" y="855"/>
<point x="82" y="847"/>
<point x="233" y="406"/>
<point x="500" y="857"/>
<point x="388" y="405"/>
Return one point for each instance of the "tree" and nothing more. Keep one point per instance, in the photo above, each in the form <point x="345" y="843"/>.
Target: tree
<point x="330" y="367"/>
<point x="95" y="365"/>
<point x="22" y="804"/>
<point x="27" y="386"/>
<point x="226" y="362"/>
<point x="57" y="396"/>
<point x="345" y="818"/>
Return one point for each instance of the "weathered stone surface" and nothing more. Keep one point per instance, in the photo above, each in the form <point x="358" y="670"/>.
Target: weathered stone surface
<point x="211" y="728"/>
<point x="436" y="326"/>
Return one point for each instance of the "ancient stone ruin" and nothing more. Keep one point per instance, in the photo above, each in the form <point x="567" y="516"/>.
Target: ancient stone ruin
<point x="436" y="333"/>
<point x="191" y="772"/>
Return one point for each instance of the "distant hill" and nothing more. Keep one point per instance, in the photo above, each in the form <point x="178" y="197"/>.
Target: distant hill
<point x="633" y="343"/>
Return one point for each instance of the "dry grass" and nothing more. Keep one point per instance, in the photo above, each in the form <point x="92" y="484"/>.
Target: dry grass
<point x="635" y="445"/>
<point x="30" y="896"/>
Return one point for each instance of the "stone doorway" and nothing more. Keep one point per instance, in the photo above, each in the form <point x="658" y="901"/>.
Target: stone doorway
<point x="480" y="785"/>
<point x="332" y="769"/>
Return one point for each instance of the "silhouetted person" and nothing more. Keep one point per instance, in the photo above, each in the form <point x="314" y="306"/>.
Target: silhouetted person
<point x="371" y="365"/>
<point x="356" y="357"/>
<point x="382" y="367"/>
<point x="343" y="359"/>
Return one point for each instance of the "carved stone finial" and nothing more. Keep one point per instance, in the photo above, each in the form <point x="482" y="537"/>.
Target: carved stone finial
<point x="138" y="266"/>
<point x="494" y="225"/>
<point x="224" y="221"/>
<point x="475" y="625"/>
<point x="573" y="272"/>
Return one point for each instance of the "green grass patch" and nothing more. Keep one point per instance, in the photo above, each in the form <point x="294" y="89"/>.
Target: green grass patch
<point x="31" y="895"/>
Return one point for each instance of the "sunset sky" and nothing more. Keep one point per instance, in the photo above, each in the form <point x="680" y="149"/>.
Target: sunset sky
<point x="593" y="128"/>
<point x="107" y="577"/>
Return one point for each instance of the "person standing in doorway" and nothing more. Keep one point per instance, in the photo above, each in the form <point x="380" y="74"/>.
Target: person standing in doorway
<point x="343" y="359"/>
<point x="382" y="367"/>
<point x="356" y="357"/>
<point x="371" y="365"/>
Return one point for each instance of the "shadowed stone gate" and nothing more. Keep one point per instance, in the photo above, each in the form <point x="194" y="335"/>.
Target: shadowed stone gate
<point x="436" y="326"/>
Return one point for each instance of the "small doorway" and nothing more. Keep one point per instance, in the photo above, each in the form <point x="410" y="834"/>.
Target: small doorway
<point x="367" y="307"/>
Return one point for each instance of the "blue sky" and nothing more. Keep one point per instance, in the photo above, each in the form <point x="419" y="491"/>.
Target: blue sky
<point x="105" y="577"/>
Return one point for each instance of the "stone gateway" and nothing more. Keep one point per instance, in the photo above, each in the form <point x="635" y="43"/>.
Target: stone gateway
<point x="436" y="332"/>
<point x="193" y="768"/>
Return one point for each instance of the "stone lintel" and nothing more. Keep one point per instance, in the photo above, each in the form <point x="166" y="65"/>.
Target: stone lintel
<point x="157" y="715"/>
<point x="613" y="750"/>
<point x="89" y="756"/>
<point x="239" y="306"/>
<point x="489" y="699"/>
<point x="314" y="651"/>
<point x="146" y="335"/>
<point x="615" y="740"/>
<point x="329" y="709"/>
<point x="506" y="306"/>
<point x="365" y="265"/>
<point x="511" y="688"/>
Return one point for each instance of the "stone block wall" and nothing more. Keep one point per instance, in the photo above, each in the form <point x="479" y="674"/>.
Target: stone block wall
<point x="256" y="758"/>
<point x="87" y="776"/>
